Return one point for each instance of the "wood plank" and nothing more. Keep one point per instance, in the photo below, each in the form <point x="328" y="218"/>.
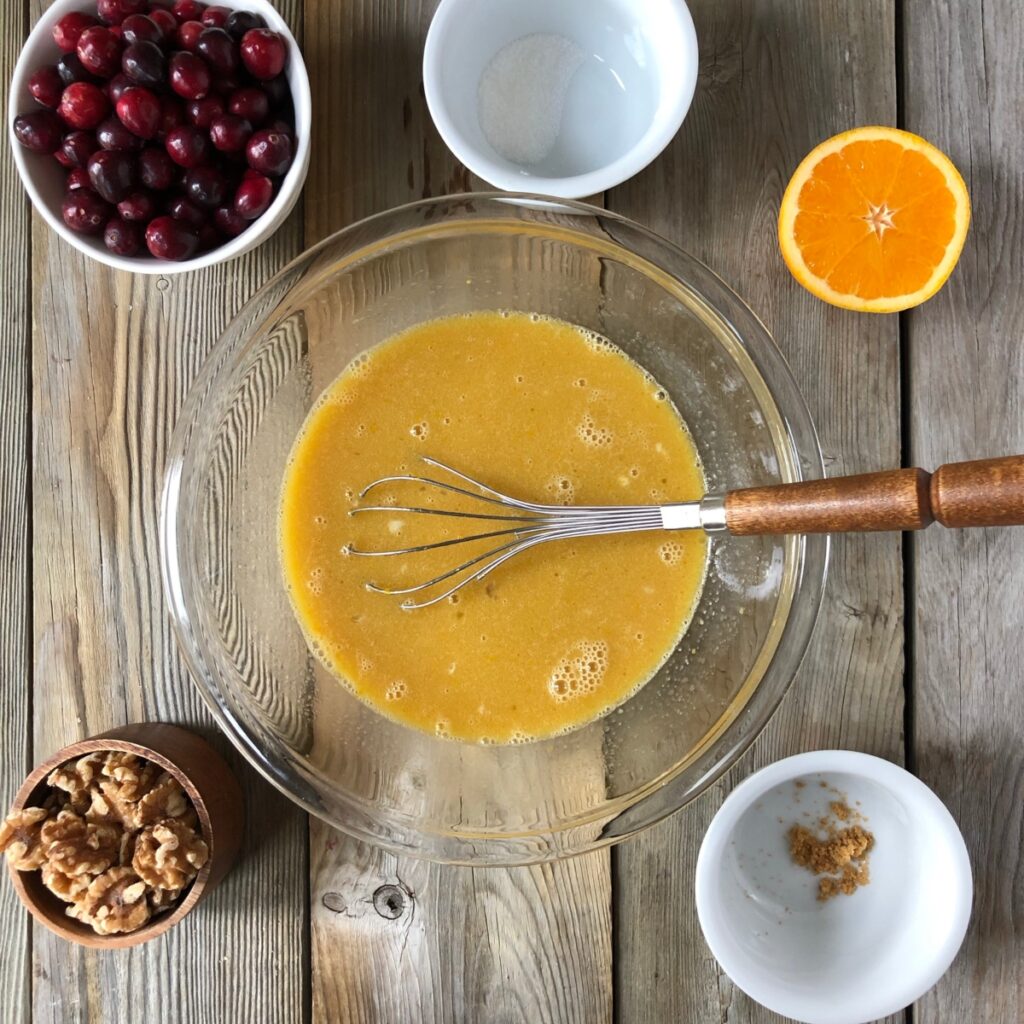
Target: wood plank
<point x="964" y="80"/>
<point x="114" y="356"/>
<point x="501" y="945"/>
<point x="15" y="603"/>
<point x="775" y="79"/>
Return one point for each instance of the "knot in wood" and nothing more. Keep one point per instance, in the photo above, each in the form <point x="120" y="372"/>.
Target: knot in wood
<point x="389" y="901"/>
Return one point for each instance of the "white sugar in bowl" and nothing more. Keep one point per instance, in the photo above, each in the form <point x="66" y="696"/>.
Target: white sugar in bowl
<point x="566" y="99"/>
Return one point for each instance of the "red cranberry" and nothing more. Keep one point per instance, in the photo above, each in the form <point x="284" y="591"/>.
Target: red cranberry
<point x="263" y="53"/>
<point x="118" y="85"/>
<point x="112" y="174"/>
<point x="219" y="50"/>
<point x="165" y="21"/>
<point x="122" y="237"/>
<point x="170" y="239"/>
<point x="206" y="186"/>
<point x="250" y="103"/>
<point x="240" y="22"/>
<point x="78" y="177"/>
<point x="269" y="152"/>
<point x="143" y="62"/>
<point x="40" y="131"/>
<point x="209" y="237"/>
<point x="140" y="28"/>
<point x="188" y="10"/>
<point x="228" y="222"/>
<point x="156" y="169"/>
<point x="78" y="147"/>
<point x="112" y="134"/>
<point x="187" y="146"/>
<point x="225" y="85"/>
<point x="186" y="211"/>
<point x="215" y="16"/>
<point x="202" y="113"/>
<point x="70" y="27"/>
<point x="84" y="211"/>
<point x="62" y="158"/>
<point x="172" y="115"/>
<point x="83" y="105"/>
<point x="113" y="12"/>
<point x="72" y="70"/>
<point x="115" y="31"/>
<point x="278" y="93"/>
<point x="99" y="51"/>
<point x="189" y="33"/>
<point x="139" y="111"/>
<point x="139" y="206"/>
<point x="190" y="77"/>
<point x="46" y="86"/>
<point x="229" y="133"/>
<point x="254" y="196"/>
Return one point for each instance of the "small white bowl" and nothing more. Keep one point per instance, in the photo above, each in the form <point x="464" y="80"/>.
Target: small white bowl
<point x="43" y="177"/>
<point x="853" y="958"/>
<point x="635" y="73"/>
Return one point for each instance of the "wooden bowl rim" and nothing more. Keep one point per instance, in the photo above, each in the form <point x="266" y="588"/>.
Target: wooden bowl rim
<point x="76" y="931"/>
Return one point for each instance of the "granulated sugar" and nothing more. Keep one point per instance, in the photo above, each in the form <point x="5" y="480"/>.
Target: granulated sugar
<point x="522" y="92"/>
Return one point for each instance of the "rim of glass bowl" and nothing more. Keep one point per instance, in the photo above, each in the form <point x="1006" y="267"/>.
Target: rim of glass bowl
<point x="800" y="594"/>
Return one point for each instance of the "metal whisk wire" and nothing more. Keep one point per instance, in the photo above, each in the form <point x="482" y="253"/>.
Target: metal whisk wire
<point x="530" y="525"/>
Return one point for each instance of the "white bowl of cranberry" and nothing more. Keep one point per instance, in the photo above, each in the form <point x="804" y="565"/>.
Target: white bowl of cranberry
<point x="160" y="136"/>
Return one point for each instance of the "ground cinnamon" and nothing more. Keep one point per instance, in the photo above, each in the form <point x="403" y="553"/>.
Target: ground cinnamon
<point x="841" y="856"/>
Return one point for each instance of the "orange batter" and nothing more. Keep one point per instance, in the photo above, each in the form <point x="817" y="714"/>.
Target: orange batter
<point x="538" y="409"/>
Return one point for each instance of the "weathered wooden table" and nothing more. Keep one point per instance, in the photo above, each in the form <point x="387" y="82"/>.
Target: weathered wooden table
<point x="917" y="656"/>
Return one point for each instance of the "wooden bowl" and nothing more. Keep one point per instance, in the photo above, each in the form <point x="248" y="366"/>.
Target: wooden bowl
<point x="210" y="785"/>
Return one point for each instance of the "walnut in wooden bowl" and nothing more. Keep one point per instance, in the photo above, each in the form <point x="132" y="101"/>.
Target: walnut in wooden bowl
<point x="114" y="839"/>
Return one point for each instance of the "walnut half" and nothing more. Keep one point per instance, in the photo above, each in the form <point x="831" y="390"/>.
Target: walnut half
<point x="115" y="902"/>
<point x="168" y="855"/>
<point x="79" y="847"/>
<point x="21" y="839"/>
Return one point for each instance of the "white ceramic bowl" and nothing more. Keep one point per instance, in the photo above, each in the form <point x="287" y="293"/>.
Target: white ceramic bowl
<point x="624" y="102"/>
<point x="853" y="958"/>
<point x="43" y="177"/>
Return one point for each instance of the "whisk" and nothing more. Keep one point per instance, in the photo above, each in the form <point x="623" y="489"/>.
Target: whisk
<point x="982" y="493"/>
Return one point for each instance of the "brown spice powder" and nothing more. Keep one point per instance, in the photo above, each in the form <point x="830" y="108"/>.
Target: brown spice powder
<point x="841" y="856"/>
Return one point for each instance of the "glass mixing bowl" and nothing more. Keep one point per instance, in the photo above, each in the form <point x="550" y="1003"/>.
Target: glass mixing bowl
<point x="384" y="782"/>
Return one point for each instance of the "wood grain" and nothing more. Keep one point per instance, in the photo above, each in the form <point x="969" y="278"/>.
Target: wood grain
<point x="775" y="79"/>
<point x="964" y="82"/>
<point x="986" y="492"/>
<point x="15" y="520"/>
<point x="468" y="945"/>
<point x="895" y="499"/>
<point x="113" y="357"/>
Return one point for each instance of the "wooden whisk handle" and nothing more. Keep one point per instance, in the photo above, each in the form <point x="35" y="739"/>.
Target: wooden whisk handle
<point x="989" y="492"/>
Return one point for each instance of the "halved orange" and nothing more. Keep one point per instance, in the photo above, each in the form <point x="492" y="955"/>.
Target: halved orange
<point x="874" y="220"/>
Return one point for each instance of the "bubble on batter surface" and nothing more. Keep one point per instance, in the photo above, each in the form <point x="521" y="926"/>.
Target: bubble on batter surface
<point x="442" y="727"/>
<point x="580" y="672"/>
<point x="561" y="490"/>
<point x="320" y="520"/>
<point x="596" y="343"/>
<point x="593" y="435"/>
<point x="671" y="552"/>
<point x="360" y="430"/>
<point x="314" y="581"/>
<point x="360" y="366"/>
<point x="396" y="690"/>
<point x="421" y="430"/>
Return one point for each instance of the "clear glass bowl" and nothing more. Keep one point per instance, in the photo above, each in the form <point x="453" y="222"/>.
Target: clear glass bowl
<point x="392" y="785"/>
